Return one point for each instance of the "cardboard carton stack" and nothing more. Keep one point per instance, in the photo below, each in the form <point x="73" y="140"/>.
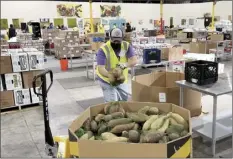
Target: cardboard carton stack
<point x="49" y="34"/>
<point x="63" y="42"/>
<point x="17" y="71"/>
<point x="24" y="36"/>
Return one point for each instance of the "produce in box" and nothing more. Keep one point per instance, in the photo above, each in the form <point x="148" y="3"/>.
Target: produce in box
<point x="147" y="125"/>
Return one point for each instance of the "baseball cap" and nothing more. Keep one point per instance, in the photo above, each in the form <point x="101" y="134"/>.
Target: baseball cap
<point x="116" y="35"/>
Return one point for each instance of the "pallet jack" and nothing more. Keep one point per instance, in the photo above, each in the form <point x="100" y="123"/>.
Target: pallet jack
<point x="58" y="146"/>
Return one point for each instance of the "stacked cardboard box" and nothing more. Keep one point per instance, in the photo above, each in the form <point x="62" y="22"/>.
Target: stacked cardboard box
<point x="24" y="36"/>
<point x="49" y="34"/>
<point x="16" y="75"/>
<point x="67" y="43"/>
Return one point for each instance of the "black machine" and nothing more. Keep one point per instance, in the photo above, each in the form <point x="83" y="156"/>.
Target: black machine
<point x="207" y="21"/>
<point x="51" y="147"/>
<point x="35" y="30"/>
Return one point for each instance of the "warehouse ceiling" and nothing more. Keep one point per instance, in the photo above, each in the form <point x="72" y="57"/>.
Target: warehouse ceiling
<point x="144" y="1"/>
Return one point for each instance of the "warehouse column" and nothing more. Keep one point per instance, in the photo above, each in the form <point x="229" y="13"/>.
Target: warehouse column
<point x="213" y="14"/>
<point x="91" y="17"/>
<point x="161" y="16"/>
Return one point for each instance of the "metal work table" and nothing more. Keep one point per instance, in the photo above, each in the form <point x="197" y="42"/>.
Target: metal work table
<point x="221" y="87"/>
<point x="90" y="57"/>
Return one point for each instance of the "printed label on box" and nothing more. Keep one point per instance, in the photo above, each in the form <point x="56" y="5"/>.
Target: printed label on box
<point x="13" y="81"/>
<point x="162" y="97"/>
<point x="22" y="97"/>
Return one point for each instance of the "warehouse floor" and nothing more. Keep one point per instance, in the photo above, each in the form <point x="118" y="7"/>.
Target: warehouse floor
<point x="22" y="132"/>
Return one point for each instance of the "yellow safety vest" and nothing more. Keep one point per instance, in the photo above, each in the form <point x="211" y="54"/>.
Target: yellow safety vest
<point x="112" y="61"/>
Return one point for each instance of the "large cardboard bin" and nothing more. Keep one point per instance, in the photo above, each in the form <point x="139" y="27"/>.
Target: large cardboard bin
<point x="161" y="87"/>
<point x="180" y="148"/>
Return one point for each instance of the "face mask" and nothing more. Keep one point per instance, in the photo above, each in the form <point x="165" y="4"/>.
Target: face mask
<point x="116" y="46"/>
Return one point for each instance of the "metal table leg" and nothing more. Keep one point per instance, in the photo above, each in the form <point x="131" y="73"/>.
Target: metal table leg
<point x="86" y="64"/>
<point x="214" y="126"/>
<point x="181" y="96"/>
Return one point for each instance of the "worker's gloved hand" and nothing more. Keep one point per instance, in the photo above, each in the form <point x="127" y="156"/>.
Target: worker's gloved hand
<point x="122" y="66"/>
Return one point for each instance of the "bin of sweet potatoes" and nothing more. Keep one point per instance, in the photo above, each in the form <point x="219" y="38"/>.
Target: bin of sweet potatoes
<point x="132" y="129"/>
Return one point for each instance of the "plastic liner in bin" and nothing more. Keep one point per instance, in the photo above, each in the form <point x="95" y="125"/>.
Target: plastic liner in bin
<point x="201" y="72"/>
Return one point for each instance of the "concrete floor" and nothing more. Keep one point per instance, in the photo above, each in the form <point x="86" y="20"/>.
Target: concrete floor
<point x="22" y="132"/>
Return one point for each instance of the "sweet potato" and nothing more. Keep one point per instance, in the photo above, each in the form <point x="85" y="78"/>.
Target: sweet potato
<point x="86" y="136"/>
<point x="172" y="121"/>
<point x="103" y="128"/>
<point x="118" y="139"/>
<point x="137" y="117"/>
<point x="178" y="127"/>
<point x="164" y="139"/>
<point x="87" y="125"/>
<point x="136" y="126"/>
<point x="117" y="115"/>
<point x="125" y="134"/>
<point x="147" y="124"/>
<point x="173" y="136"/>
<point x="153" y="111"/>
<point x="107" y="136"/>
<point x="94" y="126"/>
<point x="144" y="110"/>
<point x="92" y="138"/>
<point x="165" y="125"/>
<point x="158" y="122"/>
<point x="152" y="137"/>
<point x="99" y="117"/>
<point x="120" y="79"/>
<point x="120" y="128"/>
<point x="117" y="72"/>
<point x="184" y="133"/>
<point x="134" y="136"/>
<point x="180" y="120"/>
<point x="115" y="122"/>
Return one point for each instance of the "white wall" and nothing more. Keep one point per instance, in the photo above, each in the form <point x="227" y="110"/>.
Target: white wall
<point x="34" y="10"/>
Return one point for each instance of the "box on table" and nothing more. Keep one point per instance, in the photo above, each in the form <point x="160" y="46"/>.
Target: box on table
<point x="87" y="148"/>
<point x="7" y="99"/>
<point x="172" y="53"/>
<point x="13" y="81"/>
<point x="20" y="62"/>
<point x="28" y="78"/>
<point x="151" y="56"/>
<point x="202" y="47"/>
<point x="5" y="64"/>
<point x="22" y="97"/>
<point x="35" y="98"/>
<point x="161" y="87"/>
<point x="36" y="60"/>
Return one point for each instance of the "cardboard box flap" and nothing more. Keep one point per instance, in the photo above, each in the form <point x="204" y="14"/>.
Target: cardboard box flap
<point x="158" y="79"/>
<point x="141" y="91"/>
<point x="172" y="77"/>
<point x="97" y="149"/>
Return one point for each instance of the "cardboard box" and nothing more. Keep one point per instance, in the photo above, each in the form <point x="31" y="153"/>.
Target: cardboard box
<point x="7" y="99"/>
<point x="20" y="62"/>
<point x="15" y="51"/>
<point x="35" y="98"/>
<point x="36" y="60"/>
<point x="22" y="97"/>
<point x="28" y="78"/>
<point x="5" y="64"/>
<point x="216" y="37"/>
<point x="202" y="47"/>
<point x="172" y="54"/>
<point x="161" y="87"/>
<point x="13" y="81"/>
<point x="88" y="148"/>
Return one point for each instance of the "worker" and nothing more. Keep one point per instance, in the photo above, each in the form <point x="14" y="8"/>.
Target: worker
<point x="51" y="26"/>
<point x="113" y="53"/>
<point x="11" y="32"/>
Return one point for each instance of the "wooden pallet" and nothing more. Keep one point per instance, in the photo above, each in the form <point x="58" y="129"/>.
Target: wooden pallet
<point x="17" y="108"/>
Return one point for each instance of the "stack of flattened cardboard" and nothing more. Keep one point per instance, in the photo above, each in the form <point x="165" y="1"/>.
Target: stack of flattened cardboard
<point x="16" y="75"/>
<point x="49" y="34"/>
<point x="179" y="148"/>
<point x="161" y="87"/>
